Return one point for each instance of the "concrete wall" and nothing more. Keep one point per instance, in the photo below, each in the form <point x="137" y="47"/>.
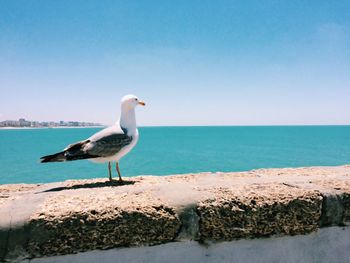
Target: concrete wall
<point x="326" y="245"/>
<point x="165" y="219"/>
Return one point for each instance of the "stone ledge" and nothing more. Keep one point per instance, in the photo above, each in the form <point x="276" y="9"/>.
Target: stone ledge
<point x="83" y="215"/>
<point x="330" y="244"/>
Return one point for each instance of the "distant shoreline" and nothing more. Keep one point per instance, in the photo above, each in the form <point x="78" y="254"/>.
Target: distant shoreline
<point x="37" y="128"/>
<point x="178" y="126"/>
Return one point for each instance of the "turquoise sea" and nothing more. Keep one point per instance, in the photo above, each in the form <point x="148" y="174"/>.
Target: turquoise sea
<point x="176" y="150"/>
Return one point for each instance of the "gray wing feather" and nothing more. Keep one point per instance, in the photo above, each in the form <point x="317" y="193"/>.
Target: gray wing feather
<point x="108" y="145"/>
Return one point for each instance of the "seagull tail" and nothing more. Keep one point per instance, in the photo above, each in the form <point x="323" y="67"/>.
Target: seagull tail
<point x="57" y="157"/>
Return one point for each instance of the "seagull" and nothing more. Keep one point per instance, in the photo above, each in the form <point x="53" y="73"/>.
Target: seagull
<point x="108" y="145"/>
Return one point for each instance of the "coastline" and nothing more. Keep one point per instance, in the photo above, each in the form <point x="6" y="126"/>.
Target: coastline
<point x="187" y="126"/>
<point x="37" y="128"/>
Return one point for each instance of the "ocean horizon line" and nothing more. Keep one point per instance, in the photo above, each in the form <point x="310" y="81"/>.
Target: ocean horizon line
<point x="184" y="126"/>
<point x="242" y="125"/>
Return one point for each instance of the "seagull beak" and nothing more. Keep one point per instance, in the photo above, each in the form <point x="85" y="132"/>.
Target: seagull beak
<point x="142" y="103"/>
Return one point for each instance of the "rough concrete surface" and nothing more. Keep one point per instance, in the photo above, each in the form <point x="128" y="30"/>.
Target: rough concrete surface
<point x="326" y="245"/>
<point x="83" y="215"/>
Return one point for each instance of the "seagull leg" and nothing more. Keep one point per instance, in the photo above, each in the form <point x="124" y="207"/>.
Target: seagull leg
<point x="110" y="172"/>
<point x="117" y="168"/>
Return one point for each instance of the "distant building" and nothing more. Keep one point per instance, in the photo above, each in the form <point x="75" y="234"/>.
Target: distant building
<point x="24" y="123"/>
<point x="10" y="123"/>
<point x="35" y="124"/>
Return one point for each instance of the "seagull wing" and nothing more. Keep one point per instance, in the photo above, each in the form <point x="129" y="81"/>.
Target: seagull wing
<point x="107" y="142"/>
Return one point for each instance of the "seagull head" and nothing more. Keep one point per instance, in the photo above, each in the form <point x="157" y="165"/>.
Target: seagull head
<point x="130" y="102"/>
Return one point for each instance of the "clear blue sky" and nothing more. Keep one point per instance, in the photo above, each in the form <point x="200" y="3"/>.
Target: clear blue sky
<point x="193" y="62"/>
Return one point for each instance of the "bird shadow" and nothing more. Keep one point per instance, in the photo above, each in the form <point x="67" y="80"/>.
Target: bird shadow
<point x="90" y="185"/>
